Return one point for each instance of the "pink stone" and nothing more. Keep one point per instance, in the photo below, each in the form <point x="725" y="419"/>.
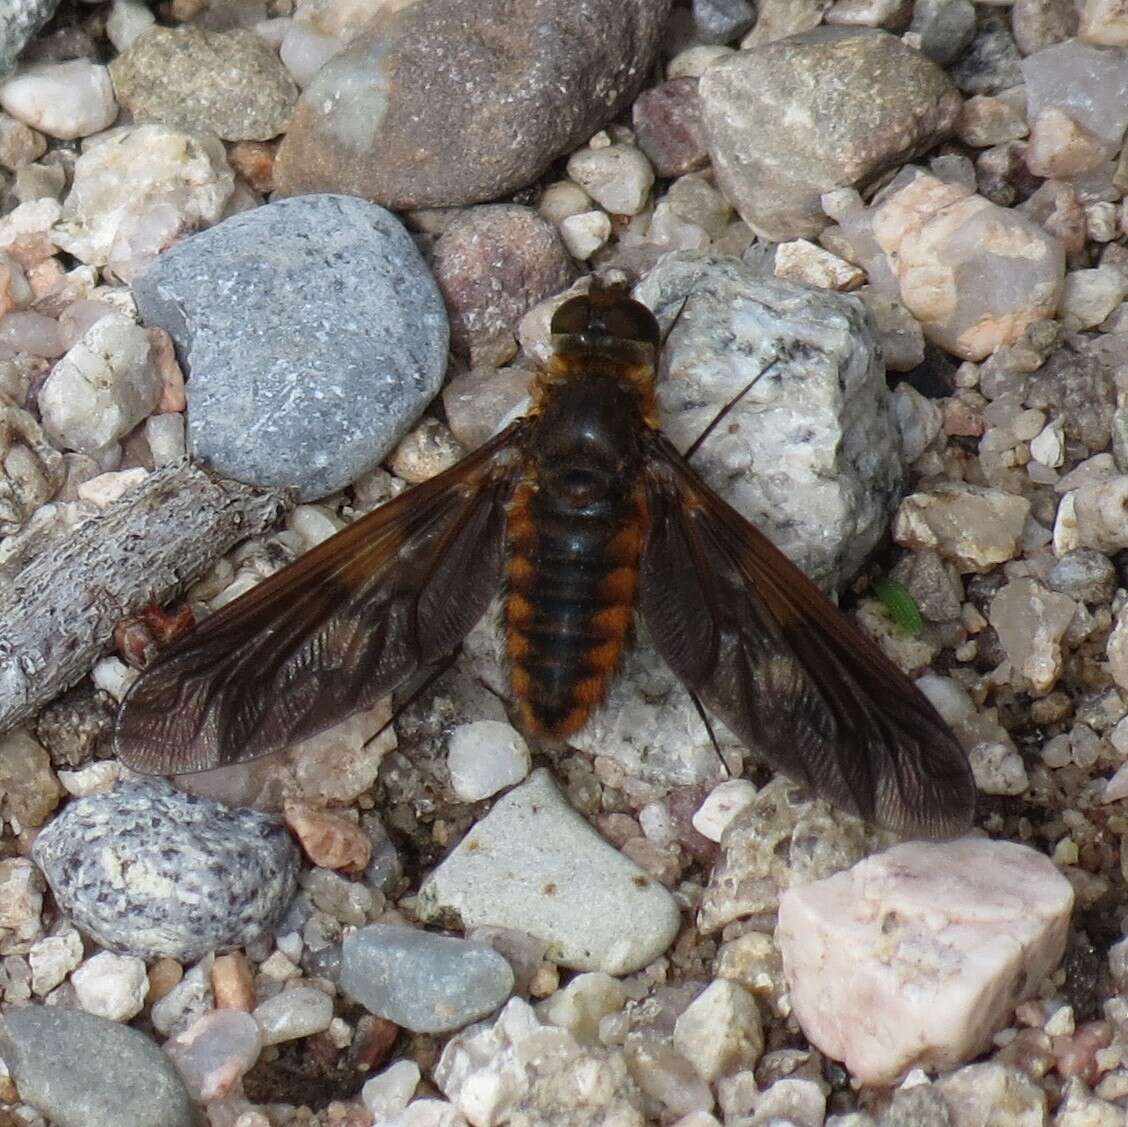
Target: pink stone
<point x="916" y="957"/>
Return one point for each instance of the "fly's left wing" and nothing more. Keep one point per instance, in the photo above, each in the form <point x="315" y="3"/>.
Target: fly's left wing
<point x="768" y="653"/>
<point x="341" y="627"/>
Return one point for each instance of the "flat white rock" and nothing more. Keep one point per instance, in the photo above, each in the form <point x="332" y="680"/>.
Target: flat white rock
<point x="916" y="957"/>
<point x="533" y="864"/>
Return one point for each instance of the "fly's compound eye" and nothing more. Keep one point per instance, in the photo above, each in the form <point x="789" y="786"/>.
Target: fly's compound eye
<point x="606" y="314"/>
<point x="573" y="317"/>
<point x="631" y="320"/>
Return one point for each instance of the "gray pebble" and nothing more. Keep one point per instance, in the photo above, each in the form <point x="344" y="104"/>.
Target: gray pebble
<point x="945" y="27"/>
<point x="312" y="334"/>
<point x="200" y="876"/>
<point x="426" y="983"/>
<point x="86" y="1071"/>
<point x="1084" y="574"/>
<point x="19" y="21"/>
<point x="534" y="865"/>
<point x="992" y="62"/>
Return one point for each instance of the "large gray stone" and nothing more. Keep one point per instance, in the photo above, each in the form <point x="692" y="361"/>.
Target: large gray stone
<point x="312" y="334"/>
<point x="81" y="1070"/>
<point x="150" y="871"/>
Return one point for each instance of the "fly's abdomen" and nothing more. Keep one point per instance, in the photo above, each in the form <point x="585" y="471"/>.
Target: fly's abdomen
<point x="569" y="604"/>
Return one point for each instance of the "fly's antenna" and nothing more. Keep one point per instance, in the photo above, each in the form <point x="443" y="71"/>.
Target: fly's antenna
<point x="728" y="407"/>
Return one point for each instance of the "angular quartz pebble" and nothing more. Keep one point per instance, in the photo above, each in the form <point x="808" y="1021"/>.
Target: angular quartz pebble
<point x="915" y="957"/>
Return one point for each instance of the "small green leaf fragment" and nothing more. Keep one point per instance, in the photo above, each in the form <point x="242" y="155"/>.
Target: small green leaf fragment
<point x="900" y="604"/>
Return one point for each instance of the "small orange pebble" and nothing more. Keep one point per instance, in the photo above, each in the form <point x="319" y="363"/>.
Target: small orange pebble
<point x="164" y="974"/>
<point x="233" y="983"/>
<point x="328" y="839"/>
<point x="254" y="161"/>
<point x="163" y="355"/>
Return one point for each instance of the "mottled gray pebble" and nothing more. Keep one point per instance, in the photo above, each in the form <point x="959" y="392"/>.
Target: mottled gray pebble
<point x="85" y="1071"/>
<point x="149" y="871"/>
<point x="1084" y="574"/>
<point x="426" y="983"/>
<point x="534" y="865"/>
<point x="945" y="27"/>
<point x="19" y="21"/>
<point x="992" y="62"/>
<point x="230" y="82"/>
<point x="313" y="336"/>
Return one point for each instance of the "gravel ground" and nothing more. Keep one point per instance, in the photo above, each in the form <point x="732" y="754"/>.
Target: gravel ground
<point x="315" y="247"/>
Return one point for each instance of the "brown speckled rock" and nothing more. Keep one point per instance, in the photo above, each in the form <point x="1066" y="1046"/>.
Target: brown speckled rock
<point x="667" y="122"/>
<point x="451" y="103"/>
<point x="493" y="264"/>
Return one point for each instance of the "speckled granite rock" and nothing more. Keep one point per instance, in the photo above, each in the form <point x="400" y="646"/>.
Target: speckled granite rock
<point x="811" y="454"/>
<point x="313" y="336"/>
<point x="149" y="871"/>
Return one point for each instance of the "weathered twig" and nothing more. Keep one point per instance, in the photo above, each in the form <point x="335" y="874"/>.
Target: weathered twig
<point x="57" y="613"/>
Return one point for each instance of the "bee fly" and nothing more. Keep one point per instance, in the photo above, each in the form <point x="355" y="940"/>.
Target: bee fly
<point x="584" y="514"/>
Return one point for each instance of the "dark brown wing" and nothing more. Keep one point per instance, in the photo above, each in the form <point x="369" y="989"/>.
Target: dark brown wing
<point x="768" y="653"/>
<point x="338" y="629"/>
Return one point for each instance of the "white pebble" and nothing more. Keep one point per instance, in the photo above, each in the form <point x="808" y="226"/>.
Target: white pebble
<point x="314" y="524"/>
<point x="32" y="333"/>
<point x="562" y="199"/>
<point x="585" y="233"/>
<point x="916" y="914"/>
<point x="427" y="1113"/>
<point x="719" y="1032"/>
<point x="111" y="986"/>
<point x="617" y="177"/>
<point x="92" y="778"/>
<point x="102" y="388"/>
<point x="126" y="21"/>
<point x="656" y="823"/>
<point x="723" y="803"/>
<point x="52" y="959"/>
<point x="64" y="100"/>
<point x="214" y="1052"/>
<point x="1049" y="446"/>
<point x="389" y="1092"/>
<point x="998" y="769"/>
<point x="165" y="435"/>
<point x="484" y="757"/>
<point x="294" y="1013"/>
<point x="113" y="676"/>
<point x="106" y="488"/>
